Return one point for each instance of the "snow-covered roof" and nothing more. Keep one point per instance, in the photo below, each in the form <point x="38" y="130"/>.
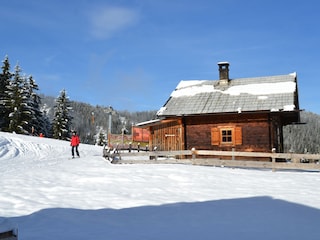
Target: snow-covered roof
<point x="272" y="93"/>
<point x="191" y="88"/>
<point x="149" y="122"/>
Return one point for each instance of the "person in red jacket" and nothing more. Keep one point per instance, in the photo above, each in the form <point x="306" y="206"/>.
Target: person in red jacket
<point x="75" y="141"/>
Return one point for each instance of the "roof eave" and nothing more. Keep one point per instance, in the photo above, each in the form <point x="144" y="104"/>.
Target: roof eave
<point x="229" y="113"/>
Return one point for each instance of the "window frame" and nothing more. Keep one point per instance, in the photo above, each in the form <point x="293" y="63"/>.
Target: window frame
<point x="217" y="135"/>
<point x="224" y="137"/>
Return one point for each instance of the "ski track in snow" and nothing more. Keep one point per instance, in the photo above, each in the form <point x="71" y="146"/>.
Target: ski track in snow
<point x="40" y="151"/>
<point x="15" y="150"/>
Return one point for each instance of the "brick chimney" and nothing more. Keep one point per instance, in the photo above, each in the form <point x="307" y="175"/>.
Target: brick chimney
<point x="223" y="73"/>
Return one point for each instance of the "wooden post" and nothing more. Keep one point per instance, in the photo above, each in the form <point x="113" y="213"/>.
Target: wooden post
<point x="193" y="153"/>
<point x="109" y="129"/>
<point x="130" y="147"/>
<point x="273" y="160"/>
<point x="233" y="157"/>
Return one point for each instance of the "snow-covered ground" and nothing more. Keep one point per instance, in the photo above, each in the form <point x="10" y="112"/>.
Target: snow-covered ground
<point x="47" y="195"/>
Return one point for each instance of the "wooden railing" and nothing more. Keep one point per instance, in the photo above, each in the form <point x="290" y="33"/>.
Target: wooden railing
<point x="272" y="160"/>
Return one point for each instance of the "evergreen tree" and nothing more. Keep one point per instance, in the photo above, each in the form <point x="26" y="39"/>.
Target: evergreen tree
<point x="62" y="120"/>
<point x="38" y="122"/>
<point x="47" y="130"/>
<point x="5" y="79"/>
<point x="21" y="112"/>
<point x="101" y="139"/>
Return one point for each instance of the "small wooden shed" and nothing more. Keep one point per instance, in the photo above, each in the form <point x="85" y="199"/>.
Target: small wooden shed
<point x="244" y="114"/>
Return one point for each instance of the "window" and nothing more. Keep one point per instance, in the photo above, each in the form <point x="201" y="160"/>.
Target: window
<point x="229" y="135"/>
<point x="226" y="136"/>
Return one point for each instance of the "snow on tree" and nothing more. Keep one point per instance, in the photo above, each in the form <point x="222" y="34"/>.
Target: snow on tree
<point x="39" y="122"/>
<point x="101" y="139"/>
<point x="20" y="104"/>
<point x="21" y="112"/>
<point x="5" y="78"/>
<point x="62" y="119"/>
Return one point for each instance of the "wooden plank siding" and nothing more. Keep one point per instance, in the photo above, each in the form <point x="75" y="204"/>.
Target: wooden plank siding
<point x="251" y="132"/>
<point x="167" y="136"/>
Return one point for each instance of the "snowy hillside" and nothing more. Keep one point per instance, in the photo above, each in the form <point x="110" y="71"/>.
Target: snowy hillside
<point x="47" y="195"/>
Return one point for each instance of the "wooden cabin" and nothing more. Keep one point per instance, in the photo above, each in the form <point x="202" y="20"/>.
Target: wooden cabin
<point x="244" y="114"/>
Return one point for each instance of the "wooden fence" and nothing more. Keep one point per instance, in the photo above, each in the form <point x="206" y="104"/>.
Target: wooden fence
<point x="224" y="158"/>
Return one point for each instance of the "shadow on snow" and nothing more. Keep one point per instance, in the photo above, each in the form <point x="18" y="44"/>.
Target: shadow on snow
<point x="246" y="218"/>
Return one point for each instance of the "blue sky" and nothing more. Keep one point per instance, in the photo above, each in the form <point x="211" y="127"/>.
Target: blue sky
<point x="132" y="54"/>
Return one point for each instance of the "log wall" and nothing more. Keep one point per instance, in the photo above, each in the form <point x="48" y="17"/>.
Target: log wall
<point x="255" y="132"/>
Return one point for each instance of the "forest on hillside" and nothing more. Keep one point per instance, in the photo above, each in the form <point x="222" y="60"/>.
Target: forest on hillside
<point x="91" y="121"/>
